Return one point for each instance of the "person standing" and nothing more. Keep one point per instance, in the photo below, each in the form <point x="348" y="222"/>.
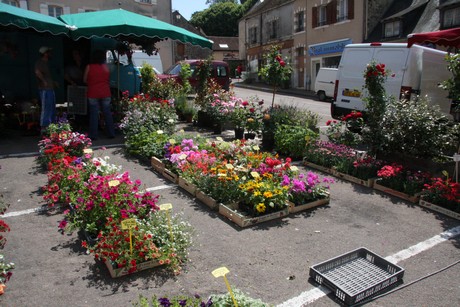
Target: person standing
<point x="97" y="78"/>
<point x="45" y="88"/>
<point x="73" y="72"/>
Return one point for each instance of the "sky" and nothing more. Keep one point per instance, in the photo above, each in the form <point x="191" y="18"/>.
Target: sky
<point x="187" y="7"/>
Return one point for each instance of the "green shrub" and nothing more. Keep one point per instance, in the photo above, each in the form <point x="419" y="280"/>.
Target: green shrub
<point x="292" y="140"/>
<point x="243" y="300"/>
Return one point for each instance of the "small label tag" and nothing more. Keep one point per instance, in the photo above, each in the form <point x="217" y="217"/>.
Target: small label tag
<point x="220" y="272"/>
<point x="294" y="168"/>
<point x="114" y="183"/>
<point x="172" y="141"/>
<point x="165" y="207"/>
<point x="128" y="224"/>
<point x="87" y="150"/>
<point x="229" y="166"/>
<point x="183" y="157"/>
<point x="255" y="175"/>
<point x="256" y="148"/>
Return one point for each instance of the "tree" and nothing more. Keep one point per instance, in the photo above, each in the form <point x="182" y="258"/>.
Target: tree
<point x="220" y="19"/>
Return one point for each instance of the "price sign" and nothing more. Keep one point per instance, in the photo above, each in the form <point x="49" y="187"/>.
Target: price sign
<point x="114" y="183"/>
<point x="255" y="175"/>
<point x="183" y="157"/>
<point x="220" y="272"/>
<point x="256" y="148"/>
<point x="128" y="224"/>
<point x="172" y="141"/>
<point x="87" y="150"/>
<point x="294" y="168"/>
<point x="167" y="206"/>
<point x="229" y="166"/>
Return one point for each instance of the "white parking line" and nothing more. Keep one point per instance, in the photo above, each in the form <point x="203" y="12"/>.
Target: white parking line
<point x="314" y="294"/>
<point x="44" y="208"/>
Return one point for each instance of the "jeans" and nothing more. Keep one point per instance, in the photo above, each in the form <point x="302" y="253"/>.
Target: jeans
<point x="48" y="113"/>
<point x="94" y="106"/>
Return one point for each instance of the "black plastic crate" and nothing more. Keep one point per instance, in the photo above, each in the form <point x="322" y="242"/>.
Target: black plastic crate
<point x="356" y="275"/>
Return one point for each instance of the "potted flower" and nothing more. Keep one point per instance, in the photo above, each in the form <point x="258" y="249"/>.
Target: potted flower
<point x="5" y="267"/>
<point x="397" y="181"/>
<point x="306" y="191"/>
<point x="442" y="192"/>
<point x="158" y="239"/>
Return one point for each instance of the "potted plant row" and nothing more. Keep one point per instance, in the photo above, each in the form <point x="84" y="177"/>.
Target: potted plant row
<point x="102" y="201"/>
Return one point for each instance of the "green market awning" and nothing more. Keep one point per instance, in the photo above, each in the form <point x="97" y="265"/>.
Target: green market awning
<point x="121" y="23"/>
<point x="11" y="16"/>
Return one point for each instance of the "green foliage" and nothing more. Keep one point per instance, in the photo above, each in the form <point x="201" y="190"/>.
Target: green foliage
<point x="176" y="301"/>
<point x="163" y="89"/>
<point x="338" y="133"/>
<point x="452" y="85"/>
<point x="147" y="143"/>
<point x="292" y="140"/>
<point x="289" y="115"/>
<point x="417" y="129"/>
<point x="148" y="75"/>
<point x="243" y="300"/>
<point x="220" y="19"/>
<point x="185" y="74"/>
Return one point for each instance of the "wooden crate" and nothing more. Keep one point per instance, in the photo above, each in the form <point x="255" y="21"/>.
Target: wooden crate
<point x="157" y="165"/>
<point x="231" y="212"/>
<point x="169" y="175"/>
<point x="449" y="213"/>
<point x="207" y="200"/>
<point x="320" y="202"/>
<point x="119" y="272"/>
<point x="413" y="199"/>
<point x="318" y="167"/>
<point x="367" y="183"/>
<point x="187" y="186"/>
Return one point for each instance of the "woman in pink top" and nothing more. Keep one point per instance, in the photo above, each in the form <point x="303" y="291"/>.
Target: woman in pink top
<point x="97" y="78"/>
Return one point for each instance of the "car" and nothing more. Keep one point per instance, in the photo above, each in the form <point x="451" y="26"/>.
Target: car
<point x="325" y="82"/>
<point x="220" y="73"/>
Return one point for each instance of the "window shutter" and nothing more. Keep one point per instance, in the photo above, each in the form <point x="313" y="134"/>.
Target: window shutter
<point x="23" y="4"/>
<point x="351" y="9"/>
<point x="44" y="9"/>
<point x="314" y="17"/>
<point x="331" y="12"/>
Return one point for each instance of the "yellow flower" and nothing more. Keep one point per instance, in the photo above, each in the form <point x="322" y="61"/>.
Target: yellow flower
<point x="268" y="194"/>
<point x="257" y="193"/>
<point x="260" y="208"/>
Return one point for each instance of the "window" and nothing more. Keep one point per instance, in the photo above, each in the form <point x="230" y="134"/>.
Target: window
<point x="273" y="29"/>
<point x="11" y="2"/>
<point x="300" y="19"/>
<point x="392" y="28"/>
<point x="451" y="18"/>
<point x="342" y="10"/>
<point x="146" y="1"/>
<point x="55" y="11"/>
<point x="322" y="13"/>
<point x="299" y="51"/>
<point x="253" y="35"/>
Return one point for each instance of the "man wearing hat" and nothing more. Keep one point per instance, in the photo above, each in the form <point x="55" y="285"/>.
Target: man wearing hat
<point x="45" y="88"/>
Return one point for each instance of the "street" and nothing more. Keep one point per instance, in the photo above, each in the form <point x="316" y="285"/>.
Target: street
<point x="269" y="261"/>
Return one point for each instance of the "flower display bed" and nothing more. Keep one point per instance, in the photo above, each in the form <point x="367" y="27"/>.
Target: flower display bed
<point x="207" y="200"/>
<point x="169" y="175"/>
<point x="319" y="167"/>
<point x="187" y="186"/>
<point x="439" y="209"/>
<point x="320" y="202"/>
<point x="413" y="199"/>
<point x="242" y="219"/>
<point x="367" y="183"/>
<point x="119" y="272"/>
<point x="157" y="165"/>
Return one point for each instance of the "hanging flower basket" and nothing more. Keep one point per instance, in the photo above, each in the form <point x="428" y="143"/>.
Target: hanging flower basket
<point x="244" y="219"/>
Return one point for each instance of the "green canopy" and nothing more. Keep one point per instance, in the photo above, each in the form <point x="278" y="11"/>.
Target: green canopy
<point x="121" y="23"/>
<point x="25" y="19"/>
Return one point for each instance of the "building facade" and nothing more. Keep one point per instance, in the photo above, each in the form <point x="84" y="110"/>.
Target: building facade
<point x="158" y="9"/>
<point x="313" y="33"/>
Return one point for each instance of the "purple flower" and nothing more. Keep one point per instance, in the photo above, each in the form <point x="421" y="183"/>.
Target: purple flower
<point x="164" y="302"/>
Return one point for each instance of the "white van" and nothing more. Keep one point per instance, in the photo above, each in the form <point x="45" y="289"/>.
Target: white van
<point x="325" y="83"/>
<point x="416" y="70"/>
<point x="154" y="60"/>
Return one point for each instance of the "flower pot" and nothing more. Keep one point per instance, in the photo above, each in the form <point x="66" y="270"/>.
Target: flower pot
<point x="294" y="208"/>
<point x="243" y="219"/>
<point x="119" y="272"/>
<point x="207" y="200"/>
<point x="250" y="136"/>
<point x="411" y="198"/>
<point x="423" y="203"/>
<point x="239" y="133"/>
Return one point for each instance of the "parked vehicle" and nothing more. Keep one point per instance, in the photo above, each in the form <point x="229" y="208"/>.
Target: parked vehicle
<point x="139" y="58"/>
<point x="219" y="72"/>
<point x="414" y="71"/>
<point x="325" y="83"/>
